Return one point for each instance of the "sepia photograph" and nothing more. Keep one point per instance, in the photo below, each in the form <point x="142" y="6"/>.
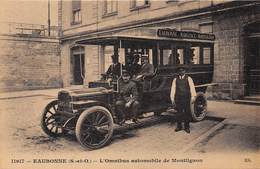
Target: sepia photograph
<point x="130" y="84"/>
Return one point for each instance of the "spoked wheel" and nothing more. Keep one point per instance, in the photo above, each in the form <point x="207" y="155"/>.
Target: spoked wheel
<point x="51" y="121"/>
<point x="199" y="107"/>
<point x="94" y="127"/>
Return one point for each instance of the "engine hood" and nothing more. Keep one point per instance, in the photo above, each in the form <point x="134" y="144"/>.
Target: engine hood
<point x="86" y="91"/>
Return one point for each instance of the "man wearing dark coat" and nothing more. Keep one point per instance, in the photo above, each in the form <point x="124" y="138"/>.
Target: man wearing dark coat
<point x="182" y="94"/>
<point x="128" y="98"/>
<point x="147" y="69"/>
<point x="134" y="67"/>
<point x="114" y="70"/>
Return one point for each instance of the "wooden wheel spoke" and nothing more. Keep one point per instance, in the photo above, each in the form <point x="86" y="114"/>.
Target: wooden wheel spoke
<point x="86" y="125"/>
<point x="48" y="123"/>
<point x="86" y="137"/>
<point x="93" y="118"/>
<point x="56" y="129"/>
<point x="104" y="124"/>
<point x="97" y="117"/>
<point x="55" y="109"/>
<point x="101" y="119"/>
<point x="52" y="128"/>
<point x="50" y="112"/>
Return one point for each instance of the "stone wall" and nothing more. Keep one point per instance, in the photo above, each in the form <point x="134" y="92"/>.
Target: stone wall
<point x="29" y="63"/>
<point x="229" y="52"/>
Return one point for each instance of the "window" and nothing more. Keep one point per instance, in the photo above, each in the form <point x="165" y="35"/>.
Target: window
<point x="167" y="57"/>
<point x="194" y="55"/>
<point x="76" y="12"/>
<point x="110" y="7"/>
<point x="180" y="56"/>
<point x="206" y="56"/>
<point x="138" y="4"/>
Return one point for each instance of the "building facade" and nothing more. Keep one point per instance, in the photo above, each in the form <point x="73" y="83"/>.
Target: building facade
<point x="235" y="24"/>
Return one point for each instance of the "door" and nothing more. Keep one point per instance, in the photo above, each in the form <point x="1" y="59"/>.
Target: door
<point x="77" y="65"/>
<point x="78" y="69"/>
<point x="253" y="66"/>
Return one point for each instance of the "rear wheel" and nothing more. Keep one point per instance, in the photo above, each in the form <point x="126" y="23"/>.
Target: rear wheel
<point x="199" y="107"/>
<point x="94" y="127"/>
<point x="51" y="120"/>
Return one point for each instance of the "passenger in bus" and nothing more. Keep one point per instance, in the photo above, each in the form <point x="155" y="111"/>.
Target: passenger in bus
<point x="114" y="70"/>
<point x="147" y="69"/>
<point x="178" y="59"/>
<point x="171" y="59"/>
<point x="134" y="67"/>
<point x="127" y="101"/>
<point x="182" y="94"/>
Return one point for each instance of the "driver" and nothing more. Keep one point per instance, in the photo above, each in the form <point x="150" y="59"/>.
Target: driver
<point x="128" y="98"/>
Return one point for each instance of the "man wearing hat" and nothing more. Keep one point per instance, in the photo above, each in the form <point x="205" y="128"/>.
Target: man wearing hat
<point x="128" y="98"/>
<point x="147" y="69"/>
<point x="114" y="70"/>
<point x="182" y="94"/>
<point x="134" y="67"/>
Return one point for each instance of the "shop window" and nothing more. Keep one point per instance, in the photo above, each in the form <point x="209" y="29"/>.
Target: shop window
<point x="139" y="4"/>
<point x="206" y="56"/>
<point x="76" y="12"/>
<point x="110" y="7"/>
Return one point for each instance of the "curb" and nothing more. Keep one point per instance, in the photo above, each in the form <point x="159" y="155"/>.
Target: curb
<point x="202" y="137"/>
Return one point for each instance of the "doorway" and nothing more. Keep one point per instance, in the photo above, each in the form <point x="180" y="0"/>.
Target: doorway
<point x="77" y="65"/>
<point x="253" y="66"/>
<point x="252" y="59"/>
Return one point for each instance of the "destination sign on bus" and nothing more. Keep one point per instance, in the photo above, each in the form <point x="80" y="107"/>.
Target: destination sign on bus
<point x="171" y="33"/>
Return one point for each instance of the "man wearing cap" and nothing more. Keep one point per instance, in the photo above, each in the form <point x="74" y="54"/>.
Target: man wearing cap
<point x="114" y="70"/>
<point x="147" y="69"/>
<point x="182" y="94"/>
<point x="128" y="98"/>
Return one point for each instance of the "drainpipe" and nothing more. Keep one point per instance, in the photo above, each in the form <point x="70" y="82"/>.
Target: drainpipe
<point x="49" y="20"/>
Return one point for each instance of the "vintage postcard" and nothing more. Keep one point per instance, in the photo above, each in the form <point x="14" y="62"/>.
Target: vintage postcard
<point x="129" y="84"/>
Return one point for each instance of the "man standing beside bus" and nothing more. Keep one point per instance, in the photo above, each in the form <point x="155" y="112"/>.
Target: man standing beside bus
<point x="182" y="94"/>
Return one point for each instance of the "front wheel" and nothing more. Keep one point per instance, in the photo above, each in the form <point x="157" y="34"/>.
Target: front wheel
<point x="199" y="107"/>
<point x="51" y="120"/>
<point x="94" y="127"/>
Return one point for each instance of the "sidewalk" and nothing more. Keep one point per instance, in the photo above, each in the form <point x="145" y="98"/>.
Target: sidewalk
<point x="239" y="132"/>
<point x="28" y="93"/>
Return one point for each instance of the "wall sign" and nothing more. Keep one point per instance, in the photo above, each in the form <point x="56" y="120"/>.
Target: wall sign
<point x="171" y="33"/>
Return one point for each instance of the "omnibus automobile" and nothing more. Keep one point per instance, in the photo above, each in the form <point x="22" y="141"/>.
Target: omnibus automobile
<point x="90" y="112"/>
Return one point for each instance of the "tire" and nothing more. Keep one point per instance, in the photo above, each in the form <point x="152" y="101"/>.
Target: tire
<point x="94" y="127"/>
<point x="199" y="107"/>
<point x="51" y="122"/>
